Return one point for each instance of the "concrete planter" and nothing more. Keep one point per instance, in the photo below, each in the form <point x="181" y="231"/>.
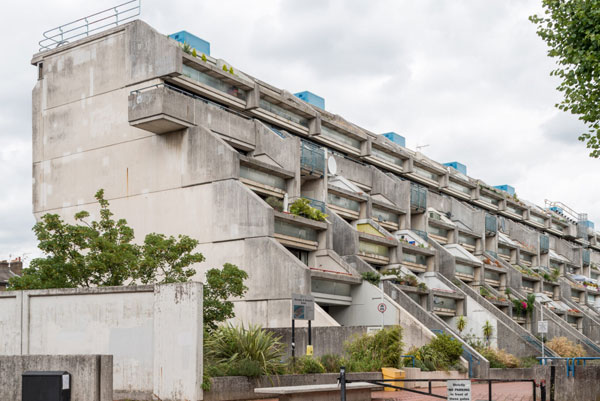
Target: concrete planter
<point x="231" y="388"/>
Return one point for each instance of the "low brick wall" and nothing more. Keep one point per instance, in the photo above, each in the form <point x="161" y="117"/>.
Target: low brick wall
<point x="415" y="373"/>
<point x="242" y="388"/>
<point x="91" y="375"/>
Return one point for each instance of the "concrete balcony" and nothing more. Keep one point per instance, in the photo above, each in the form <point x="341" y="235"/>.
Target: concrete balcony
<point x="160" y="109"/>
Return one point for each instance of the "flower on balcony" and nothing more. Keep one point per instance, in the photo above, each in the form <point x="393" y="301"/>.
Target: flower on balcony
<point x="524" y="304"/>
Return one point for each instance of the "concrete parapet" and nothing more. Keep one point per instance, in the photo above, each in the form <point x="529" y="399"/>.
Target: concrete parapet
<point x="91" y="375"/>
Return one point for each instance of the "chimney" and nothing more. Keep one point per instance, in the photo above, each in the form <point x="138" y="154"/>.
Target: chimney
<point x="16" y="266"/>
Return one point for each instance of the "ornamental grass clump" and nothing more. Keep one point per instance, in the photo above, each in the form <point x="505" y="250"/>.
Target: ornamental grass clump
<point x="565" y="347"/>
<point x="369" y="353"/>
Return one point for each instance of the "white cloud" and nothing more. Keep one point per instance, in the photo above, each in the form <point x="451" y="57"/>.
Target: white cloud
<point x="469" y="78"/>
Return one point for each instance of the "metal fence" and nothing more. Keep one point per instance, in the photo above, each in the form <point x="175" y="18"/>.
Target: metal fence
<point x="491" y="224"/>
<point x="312" y="158"/>
<point x="91" y="24"/>
<point x="418" y="197"/>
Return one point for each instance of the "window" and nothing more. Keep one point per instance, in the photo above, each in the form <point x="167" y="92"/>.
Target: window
<point x="502" y="250"/>
<point x="492" y="275"/>
<point x="213" y="82"/>
<point x="413" y="258"/>
<point x="466" y="239"/>
<point x="548" y="288"/>
<point x="300" y="254"/>
<point x="330" y="287"/>
<point x="384" y="216"/>
<point x="281" y="112"/>
<point x="437" y="231"/>
<point x="537" y="219"/>
<point x="464" y="269"/>
<point x="488" y="199"/>
<point x="444" y="303"/>
<point x="526" y="257"/>
<point x="514" y="210"/>
<point x="387" y="157"/>
<point x="291" y="230"/>
<point x="373" y="249"/>
<point x="262" y="177"/>
<point x="555" y="265"/>
<point x="425" y="173"/>
<point x="528" y="284"/>
<point x="459" y="187"/>
<point x="338" y="136"/>
<point x="343" y="202"/>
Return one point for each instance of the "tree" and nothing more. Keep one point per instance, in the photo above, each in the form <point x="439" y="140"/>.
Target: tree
<point x="220" y="286"/>
<point x="571" y="29"/>
<point x="102" y="253"/>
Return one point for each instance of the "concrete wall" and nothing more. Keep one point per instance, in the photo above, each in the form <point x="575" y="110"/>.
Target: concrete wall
<point x="153" y="332"/>
<point x="91" y="375"/>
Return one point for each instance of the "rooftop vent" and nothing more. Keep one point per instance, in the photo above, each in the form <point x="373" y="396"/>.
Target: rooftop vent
<point x="506" y="188"/>
<point x="201" y="45"/>
<point x="461" y="168"/>
<point x="311" y="98"/>
<point x="397" y="139"/>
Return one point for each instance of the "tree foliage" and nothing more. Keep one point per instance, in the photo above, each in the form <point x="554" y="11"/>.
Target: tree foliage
<point x="222" y="285"/>
<point x="102" y="253"/>
<point x="571" y="29"/>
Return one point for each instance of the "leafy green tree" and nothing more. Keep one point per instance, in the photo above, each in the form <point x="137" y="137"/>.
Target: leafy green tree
<point x="571" y="29"/>
<point x="221" y="285"/>
<point x="102" y="253"/>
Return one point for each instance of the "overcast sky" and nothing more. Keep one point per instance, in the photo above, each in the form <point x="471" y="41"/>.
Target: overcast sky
<point x="468" y="78"/>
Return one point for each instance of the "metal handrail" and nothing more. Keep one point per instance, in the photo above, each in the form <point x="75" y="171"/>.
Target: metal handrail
<point x="113" y="16"/>
<point x="411" y="357"/>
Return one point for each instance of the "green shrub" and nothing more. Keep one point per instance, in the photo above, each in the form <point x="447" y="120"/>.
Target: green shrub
<point x="275" y="203"/>
<point x="448" y="347"/>
<point x="244" y="367"/>
<point x="301" y="207"/>
<point x="371" y="277"/>
<point x="230" y="346"/>
<point x="194" y="53"/>
<point x="203" y="57"/>
<point x="306" y="365"/>
<point x="369" y="353"/>
<point x="332" y="363"/>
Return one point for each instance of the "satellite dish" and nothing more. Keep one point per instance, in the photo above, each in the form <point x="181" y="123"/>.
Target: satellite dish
<point x="331" y="165"/>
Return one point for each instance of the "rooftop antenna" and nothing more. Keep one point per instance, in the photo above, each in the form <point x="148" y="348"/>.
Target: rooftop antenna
<point x="419" y="147"/>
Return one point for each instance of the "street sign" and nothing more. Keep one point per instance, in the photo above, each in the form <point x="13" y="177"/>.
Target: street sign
<point x="459" y="390"/>
<point x="303" y="307"/>
<point x="381" y="307"/>
<point x="543" y="326"/>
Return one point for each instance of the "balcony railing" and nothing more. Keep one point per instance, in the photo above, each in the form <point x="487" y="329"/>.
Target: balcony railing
<point x="544" y="244"/>
<point x="585" y="257"/>
<point x="312" y="158"/>
<point x="422" y="234"/>
<point x="491" y="224"/>
<point x="317" y="204"/>
<point x="418" y="197"/>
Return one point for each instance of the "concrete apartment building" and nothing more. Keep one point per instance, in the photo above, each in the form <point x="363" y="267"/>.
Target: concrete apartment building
<point x="186" y="144"/>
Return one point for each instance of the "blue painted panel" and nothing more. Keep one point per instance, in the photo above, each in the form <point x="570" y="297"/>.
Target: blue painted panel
<point x="461" y="168"/>
<point x="397" y="139"/>
<point x="311" y="98"/>
<point x="201" y="45"/>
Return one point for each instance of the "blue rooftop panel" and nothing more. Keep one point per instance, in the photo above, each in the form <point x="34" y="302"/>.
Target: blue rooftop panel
<point x="201" y="45"/>
<point x="311" y="98"/>
<point x="397" y="139"/>
<point x="461" y="168"/>
<point x="506" y="188"/>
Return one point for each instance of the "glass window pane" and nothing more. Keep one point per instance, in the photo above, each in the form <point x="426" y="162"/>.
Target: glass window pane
<point x="213" y="82"/>
<point x="414" y="258"/>
<point x="465" y="269"/>
<point x="285" y="228"/>
<point x="345" y="139"/>
<point x="343" y="202"/>
<point x="262" y="177"/>
<point x="425" y="173"/>
<point x="387" y="157"/>
<point x="374" y="249"/>
<point x="383" y="215"/>
<point x="281" y="112"/>
<point x="330" y="287"/>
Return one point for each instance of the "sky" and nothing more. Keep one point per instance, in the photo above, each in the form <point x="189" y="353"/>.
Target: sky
<point x="467" y="79"/>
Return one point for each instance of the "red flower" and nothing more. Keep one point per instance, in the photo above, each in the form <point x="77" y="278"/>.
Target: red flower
<point x="524" y="305"/>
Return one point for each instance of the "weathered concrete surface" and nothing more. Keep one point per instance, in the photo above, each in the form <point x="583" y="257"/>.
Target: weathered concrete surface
<point x="91" y="375"/>
<point x="242" y="388"/>
<point x="137" y="325"/>
<point x="584" y="386"/>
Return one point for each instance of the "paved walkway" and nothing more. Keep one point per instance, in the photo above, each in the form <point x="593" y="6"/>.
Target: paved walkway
<point x="500" y="392"/>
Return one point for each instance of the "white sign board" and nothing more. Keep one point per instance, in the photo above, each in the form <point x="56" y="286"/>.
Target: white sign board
<point x="459" y="390"/>
<point x="543" y="326"/>
<point x="303" y="307"/>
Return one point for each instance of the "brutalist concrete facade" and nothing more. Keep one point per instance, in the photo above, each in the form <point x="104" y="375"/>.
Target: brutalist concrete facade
<point x="192" y="145"/>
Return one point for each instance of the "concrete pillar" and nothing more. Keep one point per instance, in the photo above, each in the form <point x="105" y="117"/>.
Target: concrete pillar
<point x="178" y="331"/>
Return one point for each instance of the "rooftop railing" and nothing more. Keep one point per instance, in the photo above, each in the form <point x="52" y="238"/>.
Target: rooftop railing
<point x="91" y="24"/>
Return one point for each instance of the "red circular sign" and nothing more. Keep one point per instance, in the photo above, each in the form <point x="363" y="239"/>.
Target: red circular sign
<point x="381" y="307"/>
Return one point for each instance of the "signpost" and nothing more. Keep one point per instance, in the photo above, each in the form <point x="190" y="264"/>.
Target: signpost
<point x="381" y="307"/>
<point x="543" y="329"/>
<point x="303" y="308"/>
<point x="459" y="390"/>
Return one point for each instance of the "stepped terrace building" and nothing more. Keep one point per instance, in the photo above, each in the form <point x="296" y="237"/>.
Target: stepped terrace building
<point x="190" y="144"/>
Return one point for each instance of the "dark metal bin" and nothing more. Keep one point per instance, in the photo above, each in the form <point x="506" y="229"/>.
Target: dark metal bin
<point x="46" y="386"/>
